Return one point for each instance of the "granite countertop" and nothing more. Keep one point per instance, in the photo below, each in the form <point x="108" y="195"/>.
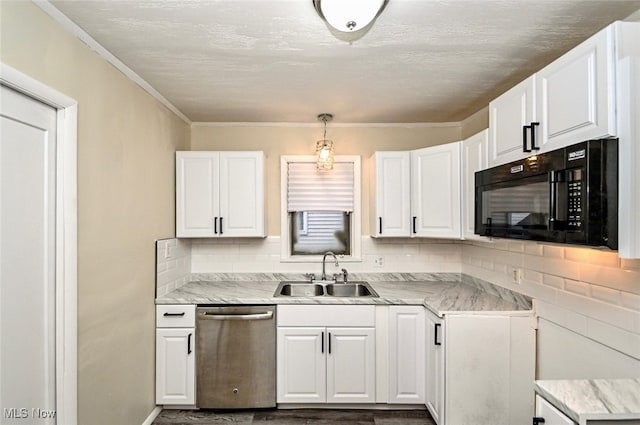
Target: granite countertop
<point x="593" y="399"/>
<point x="440" y="293"/>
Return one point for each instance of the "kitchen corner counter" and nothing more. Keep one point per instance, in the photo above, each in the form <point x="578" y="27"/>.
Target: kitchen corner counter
<point x="585" y="400"/>
<point x="440" y="296"/>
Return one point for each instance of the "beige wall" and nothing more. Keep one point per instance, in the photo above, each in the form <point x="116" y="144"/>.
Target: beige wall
<point x="126" y="144"/>
<point x="475" y="123"/>
<point x="277" y="140"/>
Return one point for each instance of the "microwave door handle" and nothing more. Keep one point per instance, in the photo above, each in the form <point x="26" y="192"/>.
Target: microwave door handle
<point x="553" y="199"/>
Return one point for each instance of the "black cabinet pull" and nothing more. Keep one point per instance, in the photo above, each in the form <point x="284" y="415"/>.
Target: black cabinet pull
<point x="380" y="224"/>
<point x="189" y="343"/>
<point x="322" y="343"/>
<point x="215" y="225"/>
<point x="533" y="135"/>
<point x="173" y="314"/>
<point x="435" y="334"/>
<point x="525" y="148"/>
<point x="220" y="225"/>
<point x="414" y="224"/>
<point x="537" y="421"/>
<point x="329" y="342"/>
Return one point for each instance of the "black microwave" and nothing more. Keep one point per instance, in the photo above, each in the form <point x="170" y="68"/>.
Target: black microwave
<point x="569" y="195"/>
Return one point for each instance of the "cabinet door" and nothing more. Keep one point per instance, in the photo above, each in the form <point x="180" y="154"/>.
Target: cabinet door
<point x="507" y="116"/>
<point x="242" y="182"/>
<point x="474" y="158"/>
<point x="351" y="365"/>
<point x="196" y="194"/>
<point x="301" y="365"/>
<point x="406" y="354"/>
<point x="551" y="415"/>
<point x="436" y="191"/>
<point x="576" y="94"/>
<point x="175" y="366"/>
<point x="434" y="376"/>
<point x="391" y="194"/>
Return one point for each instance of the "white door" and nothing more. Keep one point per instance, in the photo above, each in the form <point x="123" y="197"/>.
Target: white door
<point x="435" y="186"/>
<point x="197" y="194"/>
<point x="392" y="192"/>
<point x="435" y="373"/>
<point x="301" y="367"/>
<point x="242" y="194"/>
<point x="474" y="158"/>
<point x="27" y="259"/>
<point x="351" y="366"/>
<point x="406" y="354"/>
<point x="175" y="366"/>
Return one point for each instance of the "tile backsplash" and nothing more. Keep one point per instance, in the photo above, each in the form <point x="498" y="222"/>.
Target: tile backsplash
<point x="173" y="264"/>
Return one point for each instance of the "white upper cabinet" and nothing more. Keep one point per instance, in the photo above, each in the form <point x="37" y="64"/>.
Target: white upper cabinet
<point x="474" y="158"/>
<point x="220" y="194"/>
<point x="391" y="194"/>
<point x="508" y="116"/>
<point x="435" y="189"/>
<point x="569" y="101"/>
<point x="575" y="95"/>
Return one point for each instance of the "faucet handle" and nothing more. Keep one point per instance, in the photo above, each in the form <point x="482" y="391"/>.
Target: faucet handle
<point x="345" y="275"/>
<point x="310" y="276"/>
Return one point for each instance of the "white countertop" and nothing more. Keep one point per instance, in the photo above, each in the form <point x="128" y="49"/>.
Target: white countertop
<point x="585" y="400"/>
<point x="439" y="296"/>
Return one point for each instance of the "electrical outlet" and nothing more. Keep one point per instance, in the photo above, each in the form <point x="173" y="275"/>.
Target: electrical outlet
<point x="378" y="262"/>
<point x="516" y="275"/>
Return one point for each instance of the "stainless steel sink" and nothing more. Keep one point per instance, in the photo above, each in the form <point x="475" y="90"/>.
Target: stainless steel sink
<point x="354" y="289"/>
<point x="324" y="289"/>
<point x="299" y="289"/>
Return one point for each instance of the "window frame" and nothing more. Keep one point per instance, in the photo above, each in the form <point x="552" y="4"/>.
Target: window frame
<point x="356" y="215"/>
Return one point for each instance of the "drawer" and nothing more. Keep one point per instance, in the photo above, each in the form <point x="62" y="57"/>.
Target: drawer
<point x="176" y="316"/>
<point x="326" y="315"/>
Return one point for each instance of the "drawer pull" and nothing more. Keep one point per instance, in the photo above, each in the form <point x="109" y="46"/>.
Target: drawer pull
<point x="174" y="314"/>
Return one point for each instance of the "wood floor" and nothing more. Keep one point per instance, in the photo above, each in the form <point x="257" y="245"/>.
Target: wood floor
<point x="295" y="417"/>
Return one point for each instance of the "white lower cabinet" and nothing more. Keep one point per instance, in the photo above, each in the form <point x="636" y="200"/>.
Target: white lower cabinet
<point x="326" y="354"/>
<point x="175" y="355"/>
<point x="480" y="368"/>
<point x="406" y="354"/>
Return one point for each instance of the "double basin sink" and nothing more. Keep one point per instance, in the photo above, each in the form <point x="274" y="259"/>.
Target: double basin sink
<point x="324" y="289"/>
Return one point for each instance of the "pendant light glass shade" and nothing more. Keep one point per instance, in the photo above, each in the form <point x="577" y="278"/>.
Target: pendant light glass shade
<point x="349" y="15"/>
<point x="324" y="147"/>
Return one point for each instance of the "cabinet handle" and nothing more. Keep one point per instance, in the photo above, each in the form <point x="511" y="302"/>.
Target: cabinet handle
<point x="189" y="343"/>
<point x="414" y="224"/>
<point x="435" y="334"/>
<point x="220" y="225"/>
<point x="380" y="224"/>
<point x="322" y="343"/>
<point x="215" y="225"/>
<point x="525" y="148"/>
<point x="329" y="342"/>
<point x="173" y="314"/>
<point x="537" y="421"/>
<point x="533" y="135"/>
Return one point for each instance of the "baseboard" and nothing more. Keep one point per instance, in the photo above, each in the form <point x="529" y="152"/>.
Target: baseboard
<point x="154" y="414"/>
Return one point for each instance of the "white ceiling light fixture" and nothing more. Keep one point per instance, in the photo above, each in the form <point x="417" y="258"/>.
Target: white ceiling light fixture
<point x="324" y="147"/>
<point x="349" y="19"/>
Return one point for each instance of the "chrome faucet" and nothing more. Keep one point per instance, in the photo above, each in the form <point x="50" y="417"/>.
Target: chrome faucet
<point x="324" y="259"/>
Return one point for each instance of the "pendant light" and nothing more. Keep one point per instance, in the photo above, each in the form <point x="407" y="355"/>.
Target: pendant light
<point x="324" y="147"/>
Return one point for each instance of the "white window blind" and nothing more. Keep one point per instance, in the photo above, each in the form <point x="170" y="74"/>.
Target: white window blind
<point x="311" y="190"/>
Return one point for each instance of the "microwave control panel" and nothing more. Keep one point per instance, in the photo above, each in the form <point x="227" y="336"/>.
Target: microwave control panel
<point x="575" y="201"/>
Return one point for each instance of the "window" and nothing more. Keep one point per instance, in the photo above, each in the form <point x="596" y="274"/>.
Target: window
<point x="320" y="209"/>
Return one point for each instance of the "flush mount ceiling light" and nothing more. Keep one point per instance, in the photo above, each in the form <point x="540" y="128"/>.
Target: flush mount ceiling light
<point x="349" y="19"/>
<point x="324" y="147"/>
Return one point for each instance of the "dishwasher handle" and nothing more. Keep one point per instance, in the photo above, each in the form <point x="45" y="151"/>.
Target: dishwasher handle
<point x="216" y="316"/>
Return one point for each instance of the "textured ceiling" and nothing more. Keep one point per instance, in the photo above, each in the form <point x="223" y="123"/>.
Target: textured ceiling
<point x="276" y="61"/>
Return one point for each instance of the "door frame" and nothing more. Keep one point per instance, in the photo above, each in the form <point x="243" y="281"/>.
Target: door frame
<point x="66" y="278"/>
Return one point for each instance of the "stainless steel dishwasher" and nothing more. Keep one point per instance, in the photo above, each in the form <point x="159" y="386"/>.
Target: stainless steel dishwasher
<point x="236" y="357"/>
